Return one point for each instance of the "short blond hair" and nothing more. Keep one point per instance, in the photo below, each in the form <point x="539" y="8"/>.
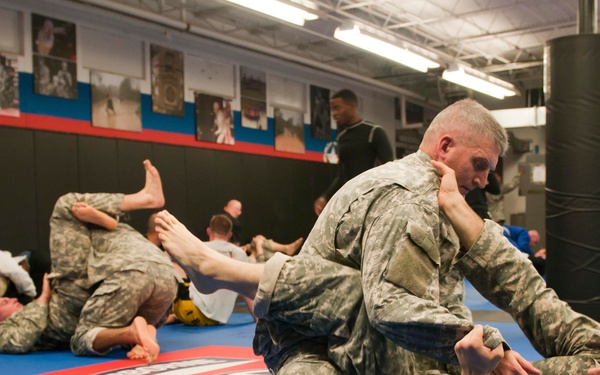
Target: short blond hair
<point x="468" y="117"/>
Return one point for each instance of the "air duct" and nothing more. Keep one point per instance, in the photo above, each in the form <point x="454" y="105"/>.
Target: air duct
<point x="587" y="18"/>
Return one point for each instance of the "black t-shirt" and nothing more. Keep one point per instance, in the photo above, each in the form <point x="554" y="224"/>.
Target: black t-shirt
<point x="360" y="146"/>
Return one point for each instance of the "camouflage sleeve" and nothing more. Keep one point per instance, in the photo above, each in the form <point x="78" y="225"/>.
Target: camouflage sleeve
<point x="20" y="332"/>
<point x="452" y="294"/>
<point x="402" y="287"/>
<point x="502" y="275"/>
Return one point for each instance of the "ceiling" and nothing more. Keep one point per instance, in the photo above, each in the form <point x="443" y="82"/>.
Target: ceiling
<point x="504" y="38"/>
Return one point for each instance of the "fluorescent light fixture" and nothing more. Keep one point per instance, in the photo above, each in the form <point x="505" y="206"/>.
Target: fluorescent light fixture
<point x="479" y="81"/>
<point x="520" y="117"/>
<point x="351" y="33"/>
<point x="283" y="11"/>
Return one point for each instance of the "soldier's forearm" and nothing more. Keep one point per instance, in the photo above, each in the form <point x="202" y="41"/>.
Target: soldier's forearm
<point x="467" y="224"/>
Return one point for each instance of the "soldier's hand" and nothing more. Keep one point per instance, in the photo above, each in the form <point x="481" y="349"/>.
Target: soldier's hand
<point x="514" y="363"/>
<point x="474" y="357"/>
<point x="319" y="205"/>
<point x="46" y="293"/>
<point x="448" y="184"/>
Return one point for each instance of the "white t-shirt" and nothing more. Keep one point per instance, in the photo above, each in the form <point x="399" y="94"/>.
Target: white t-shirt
<point x="9" y="268"/>
<point x="218" y="305"/>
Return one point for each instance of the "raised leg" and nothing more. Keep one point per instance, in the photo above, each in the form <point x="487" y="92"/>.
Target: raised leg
<point x="207" y="269"/>
<point x="88" y="214"/>
<point x="151" y="195"/>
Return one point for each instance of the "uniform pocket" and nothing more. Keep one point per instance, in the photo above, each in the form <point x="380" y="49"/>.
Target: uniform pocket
<point x="416" y="263"/>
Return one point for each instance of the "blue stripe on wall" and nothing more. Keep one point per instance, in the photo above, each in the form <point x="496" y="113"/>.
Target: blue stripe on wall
<point x="80" y="109"/>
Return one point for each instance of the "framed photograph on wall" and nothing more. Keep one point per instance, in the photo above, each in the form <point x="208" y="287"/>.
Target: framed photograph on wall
<point x="54" y="57"/>
<point x="167" y="81"/>
<point x="253" y="84"/>
<point x="289" y="130"/>
<point x="53" y="37"/>
<point x="116" y="102"/>
<point x="320" y="113"/>
<point x="253" y="92"/>
<point x="9" y="86"/>
<point x="214" y="122"/>
<point x="254" y="114"/>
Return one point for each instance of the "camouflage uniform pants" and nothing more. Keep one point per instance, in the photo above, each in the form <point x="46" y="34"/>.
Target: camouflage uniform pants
<point x="268" y="251"/>
<point x="147" y="291"/>
<point x="70" y="246"/>
<point x="70" y="242"/>
<point x="313" y="321"/>
<point x="129" y="278"/>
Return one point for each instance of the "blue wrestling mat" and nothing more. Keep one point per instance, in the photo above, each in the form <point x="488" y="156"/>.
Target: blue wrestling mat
<point x="224" y="349"/>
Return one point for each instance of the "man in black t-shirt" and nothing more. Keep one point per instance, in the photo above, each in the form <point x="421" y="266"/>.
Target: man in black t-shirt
<point x="361" y="144"/>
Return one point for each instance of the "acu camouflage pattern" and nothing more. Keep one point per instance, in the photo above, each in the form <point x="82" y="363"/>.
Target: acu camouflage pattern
<point x="268" y="252"/>
<point x="21" y="331"/>
<point x="389" y="256"/>
<point x="101" y="278"/>
<point x="507" y="279"/>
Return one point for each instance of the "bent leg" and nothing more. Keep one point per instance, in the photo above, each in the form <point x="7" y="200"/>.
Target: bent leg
<point x="288" y="249"/>
<point x="65" y="305"/>
<point x="70" y="238"/>
<point x="119" y="299"/>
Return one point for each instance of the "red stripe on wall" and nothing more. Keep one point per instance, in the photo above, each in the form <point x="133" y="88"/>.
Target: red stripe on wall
<point x="59" y="124"/>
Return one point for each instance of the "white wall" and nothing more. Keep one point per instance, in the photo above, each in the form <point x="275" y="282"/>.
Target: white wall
<point x="99" y="24"/>
<point x="514" y="203"/>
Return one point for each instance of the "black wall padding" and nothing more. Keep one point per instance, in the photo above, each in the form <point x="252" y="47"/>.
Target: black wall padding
<point x="37" y="167"/>
<point x="573" y="171"/>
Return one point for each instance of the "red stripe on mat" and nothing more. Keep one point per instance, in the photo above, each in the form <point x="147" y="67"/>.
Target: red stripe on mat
<point x="207" y="360"/>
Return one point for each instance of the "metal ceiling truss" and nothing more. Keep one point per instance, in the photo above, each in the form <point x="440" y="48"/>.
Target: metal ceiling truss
<point x="505" y="38"/>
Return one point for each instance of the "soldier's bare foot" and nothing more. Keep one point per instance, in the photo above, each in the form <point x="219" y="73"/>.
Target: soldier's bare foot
<point x="137" y="352"/>
<point x="290" y="249"/>
<point x="151" y="195"/>
<point x="153" y="187"/>
<point x="198" y="261"/>
<point x="145" y="337"/>
<point x="89" y="214"/>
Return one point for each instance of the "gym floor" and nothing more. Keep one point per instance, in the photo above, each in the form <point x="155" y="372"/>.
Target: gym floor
<point x="225" y="349"/>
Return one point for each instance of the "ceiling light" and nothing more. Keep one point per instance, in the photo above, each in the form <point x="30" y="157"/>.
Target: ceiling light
<point x="479" y="81"/>
<point x="351" y="33"/>
<point x="281" y="10"/>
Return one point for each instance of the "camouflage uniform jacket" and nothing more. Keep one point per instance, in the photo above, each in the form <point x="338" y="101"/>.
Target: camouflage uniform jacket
<point x="20" y="332"/>
<point x="387" y="224"/>
<point x="501" y="274"/>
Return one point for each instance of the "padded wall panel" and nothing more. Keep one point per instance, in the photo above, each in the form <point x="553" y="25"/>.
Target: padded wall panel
<point x="229" y="175"/>
<point x="298" y="198"/>
<point x="97" y="165"/>
<point x="260" y="193"/>
<point x="18" y="208"/>
<point x="202" y="176"/>
<point x="56" y="173"/>
<point x="37" y="167"/>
